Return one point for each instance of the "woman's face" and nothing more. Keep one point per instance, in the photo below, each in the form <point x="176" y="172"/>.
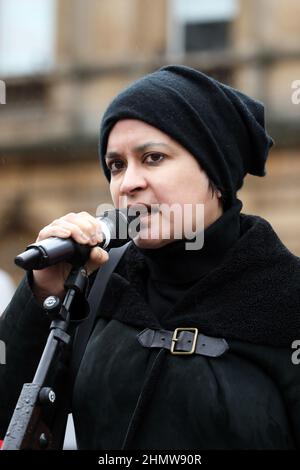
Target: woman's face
<point x="149" y="168"/>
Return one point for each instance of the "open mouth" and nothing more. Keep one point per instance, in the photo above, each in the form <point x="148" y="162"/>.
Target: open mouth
<point x="142" y="210"/>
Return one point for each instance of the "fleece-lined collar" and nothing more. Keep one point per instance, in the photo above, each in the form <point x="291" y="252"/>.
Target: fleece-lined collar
<point x="253" y="295"/>
<point x="174" y="264"/>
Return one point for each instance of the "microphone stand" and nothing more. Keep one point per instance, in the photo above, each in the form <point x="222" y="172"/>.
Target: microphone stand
<point x="33" y="425"/>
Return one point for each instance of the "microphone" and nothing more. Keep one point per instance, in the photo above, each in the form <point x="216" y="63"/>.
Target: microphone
<point x="40" y="255"/>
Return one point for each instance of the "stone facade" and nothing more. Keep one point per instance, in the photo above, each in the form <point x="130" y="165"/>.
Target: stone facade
<point x="49" y="125"/>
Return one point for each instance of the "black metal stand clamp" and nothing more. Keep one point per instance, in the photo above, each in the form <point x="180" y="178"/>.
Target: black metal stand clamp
<point x="30" y="427"/>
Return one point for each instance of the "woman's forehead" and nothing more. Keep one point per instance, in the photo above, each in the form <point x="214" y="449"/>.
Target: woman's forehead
<point x="137" y="134"/>
<point x="133" y="128"/>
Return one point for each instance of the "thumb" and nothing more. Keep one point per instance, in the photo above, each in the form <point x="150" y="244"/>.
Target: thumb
<point x="97" y="258"/>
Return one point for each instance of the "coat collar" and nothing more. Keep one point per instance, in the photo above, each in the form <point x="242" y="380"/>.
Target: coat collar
<point x="175" y="265"/>
<point x="253" y="295"/>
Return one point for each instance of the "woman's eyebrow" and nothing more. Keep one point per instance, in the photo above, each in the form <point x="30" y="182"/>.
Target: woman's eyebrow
<point x="138" y="149"/>
<point x="111" y="155"/>
<point x="143" y="147"/>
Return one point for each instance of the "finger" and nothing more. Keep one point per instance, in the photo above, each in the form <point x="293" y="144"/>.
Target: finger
<point x="53" y="231"/>
<point x="97" y="258"/>
<point x="84" y="219"/>
<point x="65" y="229"/>
<point x="72" y="216"/>
<point x="89" y="225"/>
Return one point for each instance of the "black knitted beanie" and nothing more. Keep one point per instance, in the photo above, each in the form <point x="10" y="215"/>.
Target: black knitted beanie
<point x="221" y="127"/>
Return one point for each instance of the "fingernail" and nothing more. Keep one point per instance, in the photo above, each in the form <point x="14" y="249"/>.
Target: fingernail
<point x="94" y="239"/>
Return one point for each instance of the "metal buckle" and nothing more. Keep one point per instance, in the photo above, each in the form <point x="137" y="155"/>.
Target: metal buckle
<point x="175" y="338"/>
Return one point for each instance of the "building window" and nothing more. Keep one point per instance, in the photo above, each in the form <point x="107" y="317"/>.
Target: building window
<point x="196" y="26"/>
<point x="27" y="36"/>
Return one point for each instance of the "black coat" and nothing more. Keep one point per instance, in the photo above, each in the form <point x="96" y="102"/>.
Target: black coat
<point x="130" y="396"/>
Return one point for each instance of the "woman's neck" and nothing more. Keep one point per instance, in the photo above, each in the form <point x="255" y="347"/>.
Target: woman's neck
<point x="174" y="264"/>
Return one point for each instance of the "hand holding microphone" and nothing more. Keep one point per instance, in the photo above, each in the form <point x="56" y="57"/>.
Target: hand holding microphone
<point x="112" y="230"/>
<point x="78" y="233"/>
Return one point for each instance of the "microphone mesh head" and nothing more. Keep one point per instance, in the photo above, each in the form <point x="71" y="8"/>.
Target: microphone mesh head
<point x="119" y="222"/>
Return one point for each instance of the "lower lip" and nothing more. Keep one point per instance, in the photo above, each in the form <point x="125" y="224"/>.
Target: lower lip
<point x="145" y="218"/>
<point x="147" y="214"/>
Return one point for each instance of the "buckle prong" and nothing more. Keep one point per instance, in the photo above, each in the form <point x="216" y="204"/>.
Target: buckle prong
<point x="175" y="339"/>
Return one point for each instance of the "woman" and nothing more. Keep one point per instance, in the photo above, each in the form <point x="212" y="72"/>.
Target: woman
<point x="177" y="136"/>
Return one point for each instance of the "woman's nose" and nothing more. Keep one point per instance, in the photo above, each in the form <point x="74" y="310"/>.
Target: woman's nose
<point x="133" y="180"/>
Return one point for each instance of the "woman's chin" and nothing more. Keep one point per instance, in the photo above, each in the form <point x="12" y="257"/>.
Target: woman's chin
<point x="150" y="243"/>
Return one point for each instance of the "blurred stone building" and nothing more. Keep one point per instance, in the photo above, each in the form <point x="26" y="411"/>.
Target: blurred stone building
<point x="63" y="60"/>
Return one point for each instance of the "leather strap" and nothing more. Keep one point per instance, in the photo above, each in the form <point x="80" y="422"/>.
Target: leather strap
<point x="97" y="291"/>
<point x="181" y="341"/>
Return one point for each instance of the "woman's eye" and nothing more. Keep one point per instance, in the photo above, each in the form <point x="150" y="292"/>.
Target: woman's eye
<point x="115" y="165"/>
<point x="154" y="158"/>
